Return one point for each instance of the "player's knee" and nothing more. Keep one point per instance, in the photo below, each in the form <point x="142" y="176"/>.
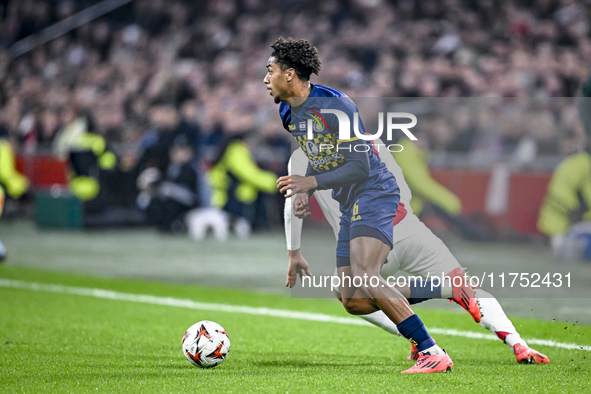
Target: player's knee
<point x="357" y="306"/>
<point x="364" y="273"/>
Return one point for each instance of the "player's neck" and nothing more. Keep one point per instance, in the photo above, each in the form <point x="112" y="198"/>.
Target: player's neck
<point x="300" y="93"/>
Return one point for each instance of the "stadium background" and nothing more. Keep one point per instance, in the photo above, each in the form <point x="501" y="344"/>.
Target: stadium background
<point x="195" y="68"/>
<point x="149" y="69"/>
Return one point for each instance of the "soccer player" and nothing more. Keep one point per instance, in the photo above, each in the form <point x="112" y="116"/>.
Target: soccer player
<point x="416" y="251"/>
<point x="366" y="191"/>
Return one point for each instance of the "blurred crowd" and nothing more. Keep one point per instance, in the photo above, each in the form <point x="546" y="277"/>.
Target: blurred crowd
<point x="202" y="62"/>
<point x="153" y="71"/>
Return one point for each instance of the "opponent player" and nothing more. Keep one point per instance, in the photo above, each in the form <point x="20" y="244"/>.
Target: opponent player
<point x="367" y="192"/>
<point x="416" y="251"/>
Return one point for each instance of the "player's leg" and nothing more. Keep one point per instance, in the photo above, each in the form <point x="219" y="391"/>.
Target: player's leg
<point x="357" y="302"/>
<point x="380" y="320"/>
<point x="495" y="320"/>
<point x="367" y="256"/>
<point x="424" y="253"/>
<point x="351" y="297"/>
<point x="365" y="239"/>
<point x="377" y="318"/>
<point x="372" y="253"/>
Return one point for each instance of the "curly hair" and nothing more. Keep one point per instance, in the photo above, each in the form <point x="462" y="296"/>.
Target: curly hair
<point x="298" y="54"/>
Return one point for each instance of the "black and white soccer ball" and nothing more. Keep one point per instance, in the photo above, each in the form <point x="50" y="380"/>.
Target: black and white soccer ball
<point x="206" y="344"/>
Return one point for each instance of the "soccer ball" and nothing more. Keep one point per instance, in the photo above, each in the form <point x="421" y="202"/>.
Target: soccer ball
<point x="206" y="344"/>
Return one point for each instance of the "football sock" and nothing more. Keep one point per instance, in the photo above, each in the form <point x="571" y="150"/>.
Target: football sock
<point x="423" y="290"/>
<point x="514" y="339"/>
<point x="434" y="350"/>
<point x="379" y="319"/>
<point x="495" y="320"/>
<point x="413" y="329"/>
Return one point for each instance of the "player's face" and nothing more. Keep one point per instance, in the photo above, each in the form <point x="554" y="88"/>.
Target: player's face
<point x="276" y="81"/>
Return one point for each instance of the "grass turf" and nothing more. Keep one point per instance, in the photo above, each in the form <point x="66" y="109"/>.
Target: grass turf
<point x="70" y="343"/>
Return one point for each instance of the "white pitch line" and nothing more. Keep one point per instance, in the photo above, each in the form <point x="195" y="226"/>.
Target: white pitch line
<point x="176" y="302"/>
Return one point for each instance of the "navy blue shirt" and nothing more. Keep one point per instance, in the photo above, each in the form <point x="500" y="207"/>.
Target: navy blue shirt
<point x="322" y="152"/>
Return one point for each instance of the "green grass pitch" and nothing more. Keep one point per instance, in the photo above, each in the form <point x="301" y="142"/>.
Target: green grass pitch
<point x="53" y="342"/>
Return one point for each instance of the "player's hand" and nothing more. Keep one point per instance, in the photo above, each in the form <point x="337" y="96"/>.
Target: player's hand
<point x="294" y="184"/>
<point x="297" y="266"/>
<point x="300" y="206"/>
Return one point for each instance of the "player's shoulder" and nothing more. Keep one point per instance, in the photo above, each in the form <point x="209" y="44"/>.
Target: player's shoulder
<point x="284" y="108"/>
<point x="326" y="91"/>
<point x="285" y="114"/>
<point x="341" y="100"/>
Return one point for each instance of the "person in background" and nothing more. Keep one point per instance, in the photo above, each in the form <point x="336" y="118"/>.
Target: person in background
<point x="414" y="161"/>
<point x="167" y="196"/>
<point x="427" y="191"/>
<point x="86" y="152"/>
<point x="236" y="179"/>
<point x="15" y="183"/>
<point x="565" y="214"/>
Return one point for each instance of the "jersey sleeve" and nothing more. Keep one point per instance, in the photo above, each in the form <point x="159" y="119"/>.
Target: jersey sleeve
<point x="355" y="169"/>
<point x="285" y="114"/>
<point x="293" y="225"/>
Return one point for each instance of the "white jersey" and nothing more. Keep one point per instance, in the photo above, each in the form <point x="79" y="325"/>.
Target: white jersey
<point x="417" y="251"/>
<point x="406" y="222"/>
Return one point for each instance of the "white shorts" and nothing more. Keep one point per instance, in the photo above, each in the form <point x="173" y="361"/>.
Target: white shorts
<point x="421" y="254"/>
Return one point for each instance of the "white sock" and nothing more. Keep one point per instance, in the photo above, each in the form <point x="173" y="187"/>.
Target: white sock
<point x="434" y="350"/>
<point x="446" y="291"/>
<point x="495" y="320"/>
<point x="514" y="339"/>
<point x="379" y="319"/>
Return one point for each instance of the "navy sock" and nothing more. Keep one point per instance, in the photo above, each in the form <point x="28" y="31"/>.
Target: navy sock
<point x="413" y="329"/>
<point x="423" y="290"/>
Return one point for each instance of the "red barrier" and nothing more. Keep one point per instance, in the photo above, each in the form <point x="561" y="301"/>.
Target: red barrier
<point x="526" y="193"/>
<point x="526" y="190"/>
<point x="43" y="171"/>
<point x="470" y="186"/>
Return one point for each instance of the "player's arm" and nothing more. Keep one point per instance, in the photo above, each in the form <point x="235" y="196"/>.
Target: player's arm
<point x="293" y="224"/>
<point x="355" y="169"/>
<point x="297" y="264"/>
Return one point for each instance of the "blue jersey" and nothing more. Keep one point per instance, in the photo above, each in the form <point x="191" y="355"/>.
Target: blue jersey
<point x="322" y="151"/>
